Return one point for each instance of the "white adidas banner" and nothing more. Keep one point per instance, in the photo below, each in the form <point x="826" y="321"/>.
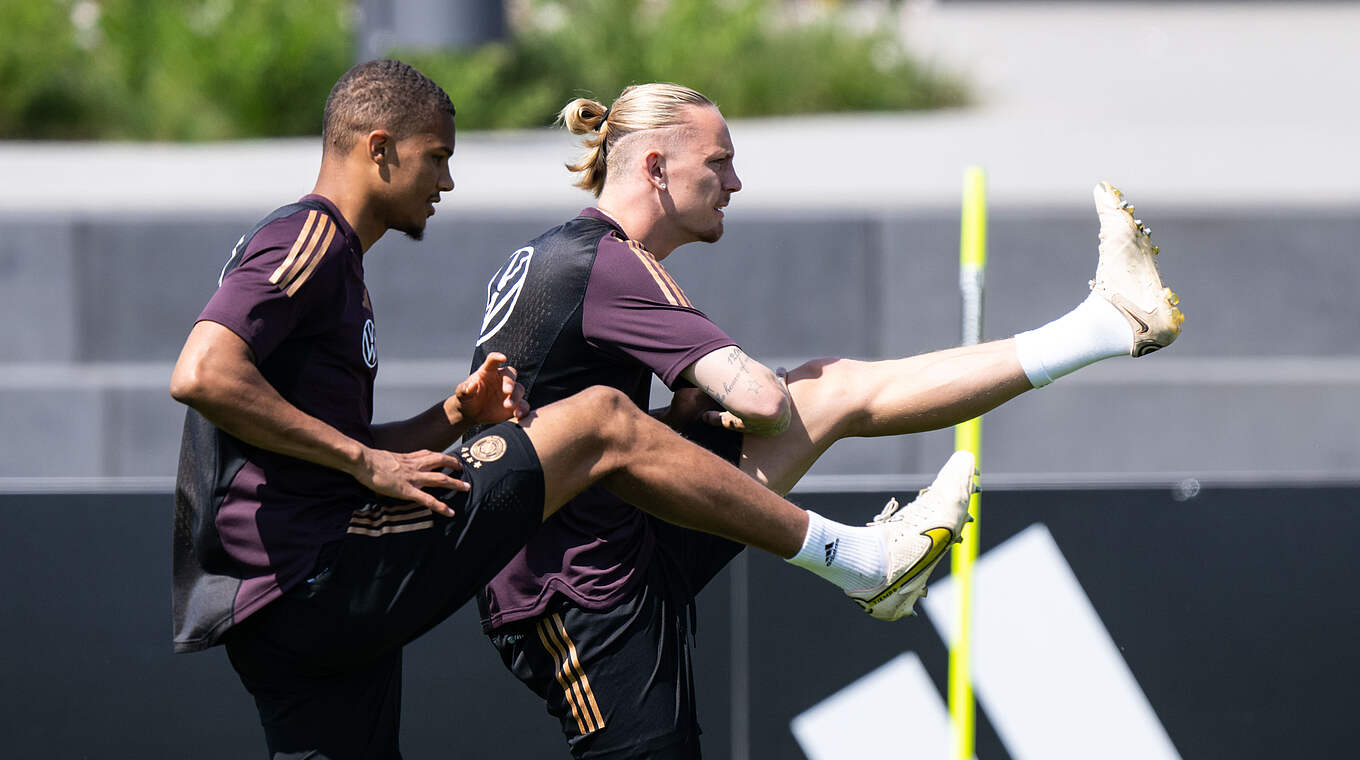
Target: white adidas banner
<point x="1045" y="670"/>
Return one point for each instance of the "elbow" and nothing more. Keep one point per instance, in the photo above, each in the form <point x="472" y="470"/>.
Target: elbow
<point x="769" y="416"/>
<point x="186" y="385"/>
<point x="774" y="411"/>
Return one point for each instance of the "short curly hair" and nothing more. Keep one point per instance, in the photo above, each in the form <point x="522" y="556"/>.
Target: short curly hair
<point x="381" y="94"/>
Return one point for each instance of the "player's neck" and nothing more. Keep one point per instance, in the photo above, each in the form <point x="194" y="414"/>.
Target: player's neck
<point x="641" y="222"/>
<point x="355" y="206"/>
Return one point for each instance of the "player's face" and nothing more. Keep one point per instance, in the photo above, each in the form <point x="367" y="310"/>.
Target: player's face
<point x="701" y="177"/>
<point x="419" y="173"/>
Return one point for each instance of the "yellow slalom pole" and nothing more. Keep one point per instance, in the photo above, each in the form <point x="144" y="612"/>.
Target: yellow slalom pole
<point x="968" y="436"/>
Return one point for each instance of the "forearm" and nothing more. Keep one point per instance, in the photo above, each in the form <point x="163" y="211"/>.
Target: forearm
<point x="746" y="388"/>
<point x="489" y="395"/>
<point x="216" y="375"/>
<point x="435" y="429"/>
<point x="253" y="411"/>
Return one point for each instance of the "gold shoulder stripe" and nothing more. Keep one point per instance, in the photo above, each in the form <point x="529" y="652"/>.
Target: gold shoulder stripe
<point x="651" y="265"/>
<point x="297" y="244"/>
<point x="307" y="250"/>
<point x="308" y="254"/>
<point x="316" y="259"/>
<point x="684" y="299"/>
<point x="561" y="675"/>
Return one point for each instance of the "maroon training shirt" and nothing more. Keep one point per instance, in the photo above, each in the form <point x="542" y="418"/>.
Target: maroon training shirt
<point x="582" y="305"/>
<point x="249" y="522"/>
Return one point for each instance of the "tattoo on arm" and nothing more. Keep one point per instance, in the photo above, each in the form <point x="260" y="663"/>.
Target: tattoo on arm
<point x="741" y="377"/>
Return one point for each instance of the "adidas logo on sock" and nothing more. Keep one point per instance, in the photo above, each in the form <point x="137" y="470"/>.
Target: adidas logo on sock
<point x="831" y="551"/>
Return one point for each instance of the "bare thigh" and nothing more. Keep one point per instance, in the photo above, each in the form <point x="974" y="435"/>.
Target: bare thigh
<point x="820" y="417"/>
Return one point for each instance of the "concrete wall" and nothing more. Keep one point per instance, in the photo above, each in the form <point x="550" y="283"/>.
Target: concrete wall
<point x="1263" y="379"/>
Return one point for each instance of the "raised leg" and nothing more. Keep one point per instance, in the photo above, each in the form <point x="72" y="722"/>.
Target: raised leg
<point x="1129" y="311"/>
<point x="599" y="436"/>
<point x="843" y="398"/>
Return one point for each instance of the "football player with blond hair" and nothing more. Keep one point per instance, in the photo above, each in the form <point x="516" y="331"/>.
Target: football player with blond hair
<point x="595" y="613"/>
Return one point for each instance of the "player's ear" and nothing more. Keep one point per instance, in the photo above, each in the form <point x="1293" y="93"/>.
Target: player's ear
<point x="654" y="163"/>
<point x="380" y="147"/>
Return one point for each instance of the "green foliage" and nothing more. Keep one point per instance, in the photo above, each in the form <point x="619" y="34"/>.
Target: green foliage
<point x="188" y="70"/>
<point x="740" y="53"/>
<point x="45" y="89"/>
<point x="220" y="69"/>
<point x="223" y="68"/>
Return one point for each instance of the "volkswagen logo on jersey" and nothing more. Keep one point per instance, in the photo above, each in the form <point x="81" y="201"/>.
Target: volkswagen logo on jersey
<point x="370" y="344"/>
<point x="503" y="291"/>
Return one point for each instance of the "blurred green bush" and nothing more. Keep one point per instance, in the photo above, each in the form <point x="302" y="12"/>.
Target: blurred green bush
<point x="220" y="69"/>
<point x="191" y="70"/>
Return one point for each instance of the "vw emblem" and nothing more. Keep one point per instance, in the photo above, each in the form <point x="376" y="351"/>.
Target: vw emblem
<point x="370" y="344"/>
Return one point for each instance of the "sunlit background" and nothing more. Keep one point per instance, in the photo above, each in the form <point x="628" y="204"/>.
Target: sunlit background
<point x="140" y="139"/>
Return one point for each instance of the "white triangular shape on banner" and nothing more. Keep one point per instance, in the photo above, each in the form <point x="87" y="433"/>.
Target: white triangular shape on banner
<point x="867" y="720"/>
<point x="1045" y="669"/>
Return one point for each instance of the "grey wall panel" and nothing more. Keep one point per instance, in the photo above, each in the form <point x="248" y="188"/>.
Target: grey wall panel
<point x="37" y="290"/>
<point x="141" y="283"/>
<point x="1278" y="284"/>
<point x="1264" y="285"/>
<point x="919" y="289"/>
<point x="1038" y="267"/>
<point x="899" y="454"/>
<point x="788" y="286"/>
<point x="1175" y="428"/>
<point x="51" y="432"/>
<point x="428" y="296"/>
<point x="860" y="286"/>
<point x="142" y="431"/>
<point x="101" y="291"/>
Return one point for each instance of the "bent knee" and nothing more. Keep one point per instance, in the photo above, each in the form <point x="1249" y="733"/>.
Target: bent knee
<point x="827" y="393"/>
<point x="608" y="414"/>
<point x="605" y="401"/>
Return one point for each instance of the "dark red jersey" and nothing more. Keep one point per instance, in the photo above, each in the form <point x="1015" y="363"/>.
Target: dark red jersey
<point x="583" y="305"/>
<point x="249" y="522"/>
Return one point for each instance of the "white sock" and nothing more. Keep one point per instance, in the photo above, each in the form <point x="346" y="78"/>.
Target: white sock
<point x="849" y="556"/>
<point x="1093" y="331"/>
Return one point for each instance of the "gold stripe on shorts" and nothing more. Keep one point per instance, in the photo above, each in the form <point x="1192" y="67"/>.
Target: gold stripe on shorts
<point x="395" y="519"/>
<point x="570" y="675"/>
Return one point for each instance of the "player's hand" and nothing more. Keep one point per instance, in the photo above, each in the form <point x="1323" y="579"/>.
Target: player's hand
<point x="725" y="419"/>
<point x="491" y="394"/>
<point x="687" y="405"/>
<point x="404" y="475"/>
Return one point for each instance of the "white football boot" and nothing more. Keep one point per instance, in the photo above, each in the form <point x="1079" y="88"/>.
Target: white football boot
<point x="1127" y="274"/>
<point x="916" y="537"/>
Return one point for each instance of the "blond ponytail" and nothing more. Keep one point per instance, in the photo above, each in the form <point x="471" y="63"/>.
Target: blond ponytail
<point x="580" y="116"/>
<point x="640" y="107"/>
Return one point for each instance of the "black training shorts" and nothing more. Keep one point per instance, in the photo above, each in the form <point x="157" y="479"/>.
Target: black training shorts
<point x="621" y="681"/>
<point x="324" y="660"/>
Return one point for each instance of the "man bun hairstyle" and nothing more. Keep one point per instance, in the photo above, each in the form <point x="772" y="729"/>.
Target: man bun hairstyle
<point x="381" y="94"/>
<point x="641" y="107"/>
